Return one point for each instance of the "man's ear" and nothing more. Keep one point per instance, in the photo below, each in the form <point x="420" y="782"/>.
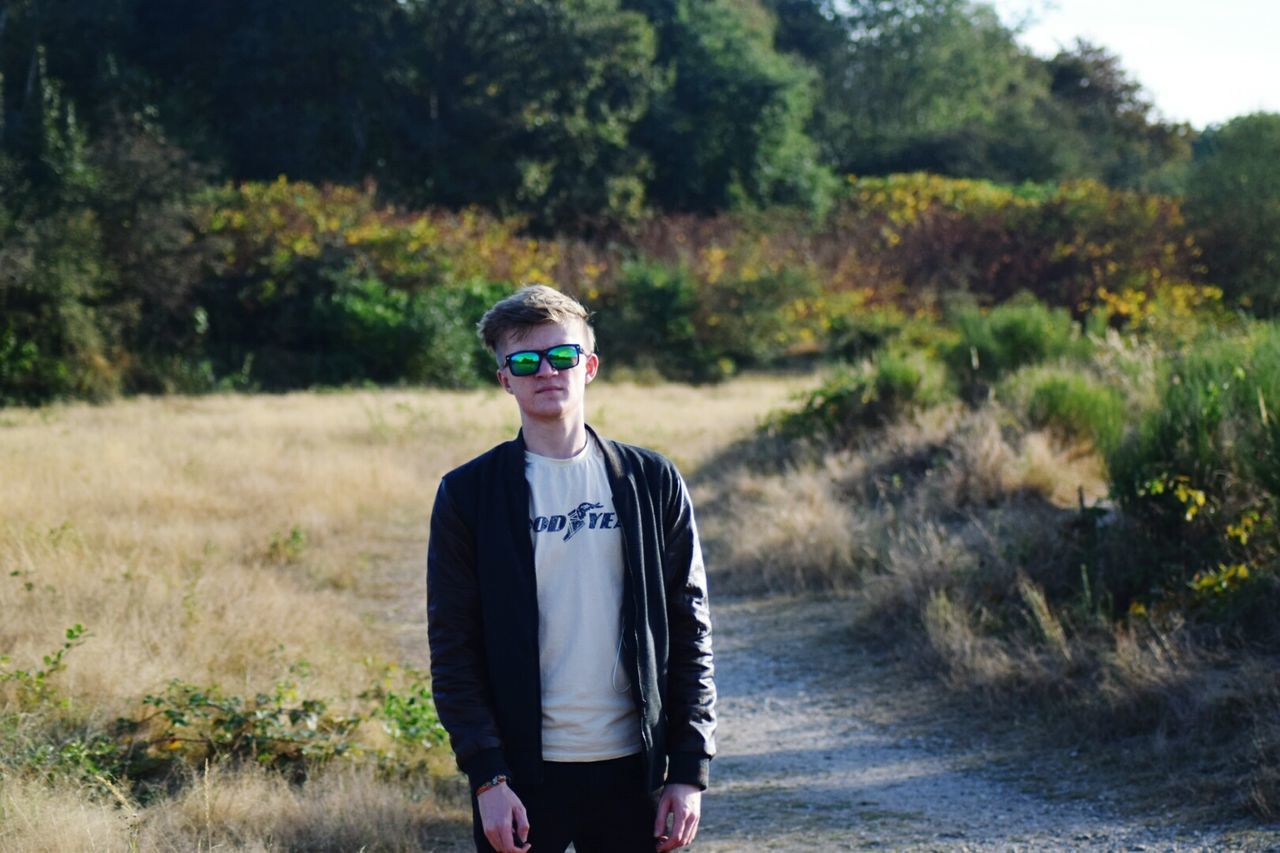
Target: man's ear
<point x="592" y="366"/>
<point x="504" y="381"/>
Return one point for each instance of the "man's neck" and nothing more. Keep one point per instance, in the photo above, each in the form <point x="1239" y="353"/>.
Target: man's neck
<point x="556" y="439"/>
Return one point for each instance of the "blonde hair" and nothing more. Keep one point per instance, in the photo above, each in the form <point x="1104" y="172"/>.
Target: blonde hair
<point x="529" y="307"/>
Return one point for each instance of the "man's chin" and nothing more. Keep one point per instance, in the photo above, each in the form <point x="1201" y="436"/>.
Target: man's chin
<point x="549" y="409"/>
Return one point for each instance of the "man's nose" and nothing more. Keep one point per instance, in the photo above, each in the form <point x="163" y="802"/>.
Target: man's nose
<point x="545" y="368"/>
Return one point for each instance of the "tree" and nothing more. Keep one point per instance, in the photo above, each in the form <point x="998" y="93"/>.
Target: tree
<point x="1233" y="202"/>
<point x="729" y="127"/>
<point x="51" y="276"/>
<point x="304" y="89"/>
<point x="936" y="85"/>
<point x="526" y="106"/>
<point x="1117" y="138"/>
<point x="94" y="246"/>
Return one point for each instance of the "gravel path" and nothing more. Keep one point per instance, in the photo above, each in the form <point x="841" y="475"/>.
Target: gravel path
<point x="814" y="756"/>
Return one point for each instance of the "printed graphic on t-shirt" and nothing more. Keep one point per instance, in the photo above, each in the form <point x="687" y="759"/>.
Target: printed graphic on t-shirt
<point x="576" y="519"/>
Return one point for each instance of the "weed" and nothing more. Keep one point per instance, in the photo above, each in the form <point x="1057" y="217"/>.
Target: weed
<point x="33" y="685"/>
<point x="287" y="549"/>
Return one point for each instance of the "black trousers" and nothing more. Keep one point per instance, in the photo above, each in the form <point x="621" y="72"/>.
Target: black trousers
<point x="600" y="806"/>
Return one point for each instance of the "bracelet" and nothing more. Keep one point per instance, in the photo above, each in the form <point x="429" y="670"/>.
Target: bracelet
<point x="500" y="779"/>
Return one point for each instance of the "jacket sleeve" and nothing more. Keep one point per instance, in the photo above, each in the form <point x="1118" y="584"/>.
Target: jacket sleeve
<point x="455" y="634"/>
<point x="691" y="691"/>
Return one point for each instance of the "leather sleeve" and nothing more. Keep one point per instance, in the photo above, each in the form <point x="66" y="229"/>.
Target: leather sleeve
<point x="691" y="691"/>
<point x="458" y="682"/>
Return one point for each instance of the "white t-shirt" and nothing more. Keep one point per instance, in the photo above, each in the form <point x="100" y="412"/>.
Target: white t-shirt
<point x="587" y="710"/>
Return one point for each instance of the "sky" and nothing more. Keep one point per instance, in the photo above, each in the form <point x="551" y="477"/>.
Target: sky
<point x="1200" y="61"/>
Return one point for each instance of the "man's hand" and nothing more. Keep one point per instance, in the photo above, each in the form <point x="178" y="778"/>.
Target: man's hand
<point x="500" y="809"/>
<point x="683" y="804"/>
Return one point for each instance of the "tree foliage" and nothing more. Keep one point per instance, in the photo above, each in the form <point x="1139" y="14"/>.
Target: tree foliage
<point x="121" y="269"/>
<point x="942" y="86"/>
<point x="526" y="106"/>
<point x="1115" y="137"/>
<point x="1234" y="203"/>
<point x="729" y="125"/>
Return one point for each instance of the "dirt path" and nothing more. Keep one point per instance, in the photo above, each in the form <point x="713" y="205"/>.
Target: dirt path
<point x="815" y="755"/>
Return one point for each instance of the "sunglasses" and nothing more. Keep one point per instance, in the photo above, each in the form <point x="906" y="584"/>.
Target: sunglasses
<point x="527" y="362"/>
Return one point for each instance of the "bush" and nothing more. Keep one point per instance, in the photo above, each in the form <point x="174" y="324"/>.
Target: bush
<point x="55" y="340"/>
<point x="661" y="317"/>
<point x="322" y="286"/>
<point x="877" y="392"/>
<point x="1201" y="472"/>
<point x="647" y="321"/>
<point x="444" y="349"/>
<point x="994" y="343"/>
<point x="924" y="234"/>
<point x="191" y="725"/>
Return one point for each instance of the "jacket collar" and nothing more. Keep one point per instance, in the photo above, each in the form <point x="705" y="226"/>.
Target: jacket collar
<point x="513" y="466"/>
<point x="613" y="461"/>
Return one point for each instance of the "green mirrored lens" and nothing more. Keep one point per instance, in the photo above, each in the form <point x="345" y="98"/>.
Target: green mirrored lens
<point x="563" y="358"/>
<point x="524" y="363"/>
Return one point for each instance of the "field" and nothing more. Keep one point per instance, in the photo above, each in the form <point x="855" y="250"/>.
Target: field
<point x="250" y="543"/>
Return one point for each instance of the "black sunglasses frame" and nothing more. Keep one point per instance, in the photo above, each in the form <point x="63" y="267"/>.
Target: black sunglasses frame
<point x="544" y="354"/>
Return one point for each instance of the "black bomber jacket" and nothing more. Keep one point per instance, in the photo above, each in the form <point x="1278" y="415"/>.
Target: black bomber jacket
<point x="482" y="616"/>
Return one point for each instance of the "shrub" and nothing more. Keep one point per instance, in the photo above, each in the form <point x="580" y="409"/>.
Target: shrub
<point x="926" y="234"/>
<point x="55" y="339"/>
<point x="191" y="725"/>
<point x="1018" y="333"/>
<point x="877" y="392"/>
<point x="321" y="285"/>
<point x="662" y="317"/>
<point x="1201" y="471"/>
<point x="444" y="349"/>
<point x="647" y="321"/>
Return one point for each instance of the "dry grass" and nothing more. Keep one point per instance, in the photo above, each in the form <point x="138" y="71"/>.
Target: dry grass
<point x="965" y="540"/>
<point x="164" y="527"/>
<point x="786" y="532"/>
<point x="250" y="809"/>
<point x="37" y="818"/>
<point x="167" y="526"/>
<point x="225" y="539"/>
<point x="780" y="516"/>
<point x="220" y="809"/>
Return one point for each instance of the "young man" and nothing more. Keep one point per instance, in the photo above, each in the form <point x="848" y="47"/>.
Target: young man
<point x="567" y="614"/>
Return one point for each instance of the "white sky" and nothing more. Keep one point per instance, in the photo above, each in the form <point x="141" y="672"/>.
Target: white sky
<point x="1200" y="61"/>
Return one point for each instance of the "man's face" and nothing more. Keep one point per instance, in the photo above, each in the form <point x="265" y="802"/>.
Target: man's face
<point x="550" y="394"/>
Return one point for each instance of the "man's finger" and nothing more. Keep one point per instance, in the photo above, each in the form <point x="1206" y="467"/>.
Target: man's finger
<point x="660" y="824"/>
<point x="673" y="838"/>
<point x="522" y="829"/>
<point x="688" y="829"/>
<point x="680" y="828"/>
<point x="522" y="822"/>
<point x="684" y="827"/>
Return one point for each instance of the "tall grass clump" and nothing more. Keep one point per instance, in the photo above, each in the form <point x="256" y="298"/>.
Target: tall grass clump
<point x="1073" y="404"/>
